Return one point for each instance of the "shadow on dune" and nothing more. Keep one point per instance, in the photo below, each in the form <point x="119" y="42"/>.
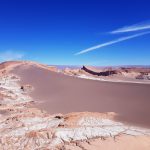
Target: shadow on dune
<point x="59" y="93"/>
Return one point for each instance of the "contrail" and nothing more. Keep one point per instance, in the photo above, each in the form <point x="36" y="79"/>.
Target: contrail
<point x="111" y="42"/>
<point x="135" y="27"/>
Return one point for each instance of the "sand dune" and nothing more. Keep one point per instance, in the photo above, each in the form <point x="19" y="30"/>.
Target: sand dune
<point x="24" y="125"/>
<point x="58" y="93"/>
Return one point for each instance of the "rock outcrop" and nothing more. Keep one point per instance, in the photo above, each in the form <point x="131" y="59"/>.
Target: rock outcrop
<point x="108" y="72"/>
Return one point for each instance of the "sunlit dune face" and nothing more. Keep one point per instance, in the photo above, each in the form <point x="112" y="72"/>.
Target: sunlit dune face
<point x="58" y="93"/>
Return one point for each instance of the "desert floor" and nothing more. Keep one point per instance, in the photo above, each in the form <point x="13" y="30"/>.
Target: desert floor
<point x="58" y="93"/>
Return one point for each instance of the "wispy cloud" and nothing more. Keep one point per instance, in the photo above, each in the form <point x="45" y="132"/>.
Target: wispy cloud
<point x="112" y="42"/>
<point x="135" y="27"/>
<point x="10" y="55"/>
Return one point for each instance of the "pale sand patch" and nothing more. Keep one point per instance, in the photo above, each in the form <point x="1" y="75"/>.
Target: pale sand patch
<point x="123" y="142"/>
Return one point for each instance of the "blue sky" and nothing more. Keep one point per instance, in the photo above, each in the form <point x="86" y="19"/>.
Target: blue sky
<point x="76" y="32"/>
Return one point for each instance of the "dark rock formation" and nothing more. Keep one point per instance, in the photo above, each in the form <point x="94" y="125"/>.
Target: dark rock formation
<point x="102" y="73"/>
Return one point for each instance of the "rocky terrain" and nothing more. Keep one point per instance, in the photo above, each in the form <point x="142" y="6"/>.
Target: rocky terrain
<point x="113" y="74"/>
<point x="25" y="127"/>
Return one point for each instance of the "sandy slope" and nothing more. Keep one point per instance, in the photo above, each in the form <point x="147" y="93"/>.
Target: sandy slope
<point x="122" y="143"/>
<point x="58" y="93"/>
<point x="27" y="128"/>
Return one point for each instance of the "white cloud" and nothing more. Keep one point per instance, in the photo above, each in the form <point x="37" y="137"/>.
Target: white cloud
<point x="111" y="42"/>
<point x="10" y="55"/>
<point x="135" y="27"/>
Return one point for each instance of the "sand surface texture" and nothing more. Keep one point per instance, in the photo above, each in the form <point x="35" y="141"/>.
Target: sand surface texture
<point x="23" y="126"/>
<point x="58" y="93"/>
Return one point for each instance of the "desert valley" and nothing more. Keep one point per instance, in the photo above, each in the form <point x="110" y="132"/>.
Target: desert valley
<point x="43" y="107"/>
